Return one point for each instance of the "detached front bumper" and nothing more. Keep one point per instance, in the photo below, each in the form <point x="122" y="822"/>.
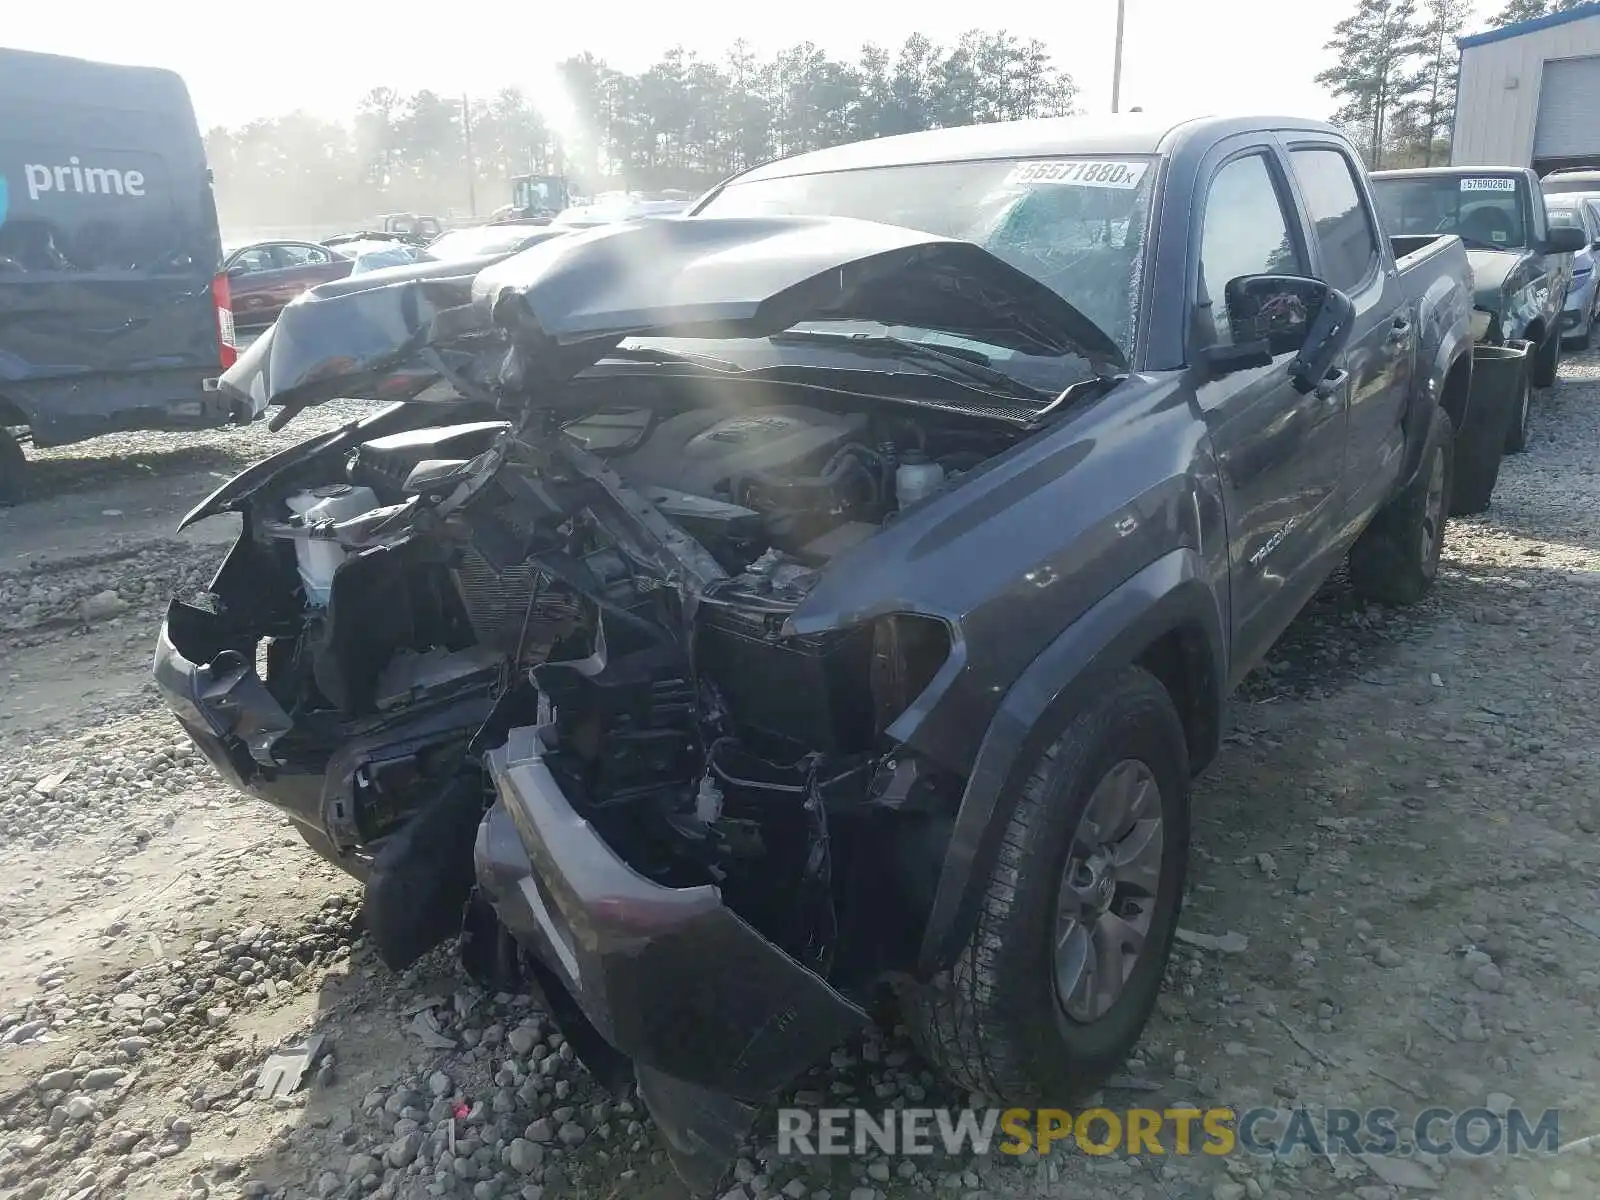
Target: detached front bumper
<point x="208" y="678"/>
<point x="711" y="1014"/>
<point x="230" y="716"/>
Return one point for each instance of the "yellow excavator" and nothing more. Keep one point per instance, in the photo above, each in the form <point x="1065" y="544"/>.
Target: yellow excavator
<point x="535" y="199"/>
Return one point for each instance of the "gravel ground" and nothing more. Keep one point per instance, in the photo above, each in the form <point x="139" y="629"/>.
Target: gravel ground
<point x="1399" y="838"/>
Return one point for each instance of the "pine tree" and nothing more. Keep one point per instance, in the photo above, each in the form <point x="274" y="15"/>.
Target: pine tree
<point x="1529" y="10"/>
<point x="1376" y="48"/>
<point x="1442" y="22"/>
<point x="1521" y="10"/>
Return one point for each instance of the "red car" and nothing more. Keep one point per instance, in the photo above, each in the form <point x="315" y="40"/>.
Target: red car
<point x="265" y="276"/>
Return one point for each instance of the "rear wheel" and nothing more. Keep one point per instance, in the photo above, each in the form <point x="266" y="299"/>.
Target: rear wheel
<point x="1396" y="558"/>
<point x="13" y="470"/>
<point x="1056" y="983"/>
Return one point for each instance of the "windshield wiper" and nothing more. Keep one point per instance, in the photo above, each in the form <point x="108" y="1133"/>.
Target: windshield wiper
<point x="971" y="365"/>
<point x="655" y="354"/>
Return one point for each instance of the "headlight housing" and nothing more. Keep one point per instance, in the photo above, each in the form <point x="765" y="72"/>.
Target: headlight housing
<point x="908" y="649"/>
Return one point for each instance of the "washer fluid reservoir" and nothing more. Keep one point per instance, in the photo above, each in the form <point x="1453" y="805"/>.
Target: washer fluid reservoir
<point x="318" y="558"/>
<point x="915" y="478"/>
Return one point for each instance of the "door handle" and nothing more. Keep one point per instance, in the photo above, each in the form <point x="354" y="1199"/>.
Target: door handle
<point x="1331" y="390"/>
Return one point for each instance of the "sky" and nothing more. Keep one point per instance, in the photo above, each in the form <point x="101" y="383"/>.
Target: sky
<point x="247" y="61"/>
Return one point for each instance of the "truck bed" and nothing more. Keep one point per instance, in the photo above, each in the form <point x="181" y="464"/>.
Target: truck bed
<point x="1423" y="259"/>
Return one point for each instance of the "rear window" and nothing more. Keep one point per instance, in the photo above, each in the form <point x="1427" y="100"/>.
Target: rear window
<point x="91" y="212"/>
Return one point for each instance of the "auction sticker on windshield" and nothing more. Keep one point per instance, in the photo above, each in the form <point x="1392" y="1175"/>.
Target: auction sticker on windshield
<point x="1488" y="184"/>
<point x="1079" y="172"/>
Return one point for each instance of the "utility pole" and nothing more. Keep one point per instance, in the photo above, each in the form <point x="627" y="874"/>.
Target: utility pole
<point x="466" y="128"/>
<point x="1116" y="66"/>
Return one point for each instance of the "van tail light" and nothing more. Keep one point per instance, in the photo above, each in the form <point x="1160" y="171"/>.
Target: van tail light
<point x="227" y="342"/>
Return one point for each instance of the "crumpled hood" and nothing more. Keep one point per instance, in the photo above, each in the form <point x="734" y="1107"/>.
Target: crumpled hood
<point x="567" y="302"/>
<point x="1489" y="271"/>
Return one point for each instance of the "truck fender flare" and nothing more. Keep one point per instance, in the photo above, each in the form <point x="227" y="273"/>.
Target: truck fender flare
<point x="1437" y="417"/>
<point x="1427" y="401"/>
<point x="1173" y="592"/>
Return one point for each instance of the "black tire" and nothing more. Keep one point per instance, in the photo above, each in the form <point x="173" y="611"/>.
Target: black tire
<point x="13" y="471"/>
<point x="994" y="1023"/>
<point x="1396" y="558"/>
<point x="1547" y="361"/>
<point x="1583" y="340"/>
<point x="1521" y="422"/>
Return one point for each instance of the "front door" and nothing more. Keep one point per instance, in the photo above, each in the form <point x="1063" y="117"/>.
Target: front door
<point x="298" y="266"/>
<point x="1280" y="453"/>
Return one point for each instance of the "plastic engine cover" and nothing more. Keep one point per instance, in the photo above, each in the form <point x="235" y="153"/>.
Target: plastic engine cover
<point x="697" y="451"/>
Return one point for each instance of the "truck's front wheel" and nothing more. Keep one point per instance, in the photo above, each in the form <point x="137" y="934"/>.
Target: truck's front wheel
<point x="1056" y="983"/>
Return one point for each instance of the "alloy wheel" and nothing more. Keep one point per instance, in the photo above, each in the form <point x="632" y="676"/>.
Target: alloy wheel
<point x="1108" y="891"/>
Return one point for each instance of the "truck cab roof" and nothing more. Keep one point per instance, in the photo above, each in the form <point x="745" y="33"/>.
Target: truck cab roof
<point x="1129" y="133"/>
<point x="1450" y="172"/>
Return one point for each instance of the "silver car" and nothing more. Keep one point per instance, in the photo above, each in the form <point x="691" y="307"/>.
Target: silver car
<point x="1580" y="210"/>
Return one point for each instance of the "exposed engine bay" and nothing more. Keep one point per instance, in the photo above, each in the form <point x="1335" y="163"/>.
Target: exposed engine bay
<point x="627" y="580"/>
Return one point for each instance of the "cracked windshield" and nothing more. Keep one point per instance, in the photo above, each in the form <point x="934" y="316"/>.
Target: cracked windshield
<point x="701" y="606"/>
<point x="1077" y="225"/>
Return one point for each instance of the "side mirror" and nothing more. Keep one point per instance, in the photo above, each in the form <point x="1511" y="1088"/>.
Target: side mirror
<point x="1272" y="315"/>
<point x="1564" y="239"/>
<point x="1595" y="245"/>
<point x="238" y="269"/>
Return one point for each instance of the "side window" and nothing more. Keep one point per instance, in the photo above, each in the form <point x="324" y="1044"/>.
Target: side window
<point x="1344" y="230"/>
<point x="294" y="255"/>
<point x="1244" y="232"/>
<point x="258" y="259"/>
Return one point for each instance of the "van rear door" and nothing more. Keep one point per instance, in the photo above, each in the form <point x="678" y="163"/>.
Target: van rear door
<point x="109" y="251"/>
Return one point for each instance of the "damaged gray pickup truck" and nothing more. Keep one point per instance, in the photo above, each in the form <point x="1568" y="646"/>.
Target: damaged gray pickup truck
<point x="826" y="594"/>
